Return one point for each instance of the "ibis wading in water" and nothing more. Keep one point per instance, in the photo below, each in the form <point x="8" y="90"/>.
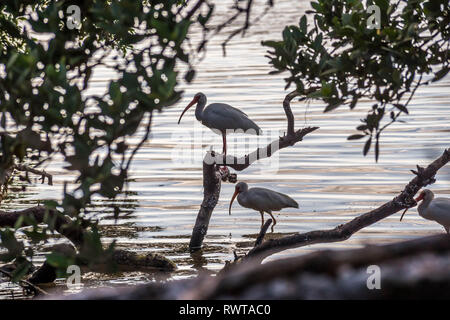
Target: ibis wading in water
<point x="262" y="200"/>
<point x="221" y="117"/>
<point x="436" y="209"/>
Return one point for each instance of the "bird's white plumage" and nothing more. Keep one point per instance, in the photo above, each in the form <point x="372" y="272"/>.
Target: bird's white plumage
<point x="222" y="116"/>
<point x="262" y="199"/>
<point x="436" y="209"/>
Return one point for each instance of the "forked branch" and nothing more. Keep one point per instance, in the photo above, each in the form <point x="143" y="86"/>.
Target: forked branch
<point x="244" y="162"/>
<point x="42" y="173"/>
<point x="289" y="139"/>
<point x="212" y="177"/>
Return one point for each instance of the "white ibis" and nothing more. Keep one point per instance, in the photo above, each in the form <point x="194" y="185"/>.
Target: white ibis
<point x="433" y="209"/>
<point x="262" y="200"/>
<point x="221" y="117"/>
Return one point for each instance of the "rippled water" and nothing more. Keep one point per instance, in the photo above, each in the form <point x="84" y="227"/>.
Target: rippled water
<point x="325" y="173"/>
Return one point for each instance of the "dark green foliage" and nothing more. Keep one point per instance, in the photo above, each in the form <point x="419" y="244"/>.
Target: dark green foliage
<point x="337" y="59"/>
<point x="43" y="94"/>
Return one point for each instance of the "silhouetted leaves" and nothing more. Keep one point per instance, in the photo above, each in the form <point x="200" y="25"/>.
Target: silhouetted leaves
<point x="355" y="136"/>
<point x="43" y="93"/>
<point x="367" y="146"/>
<point x="336" y="58"/>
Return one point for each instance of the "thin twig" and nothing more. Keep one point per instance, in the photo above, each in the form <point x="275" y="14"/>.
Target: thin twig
<point x="194" y="9"/>
<point x="25" y="284"/>
<point x="247" y="22"/>
<point x="42" y="173"/>
<point x="147" y="133"/>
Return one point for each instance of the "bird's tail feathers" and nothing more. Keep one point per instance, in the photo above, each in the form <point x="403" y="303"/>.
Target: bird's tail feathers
<point x="291" y="202"/>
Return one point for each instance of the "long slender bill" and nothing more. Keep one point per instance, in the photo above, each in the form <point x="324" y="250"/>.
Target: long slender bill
<point x="403" y="214"/>
<point x="195" y="100"/>
<point x="420" y="197"/>
<point x="231" y="202"/>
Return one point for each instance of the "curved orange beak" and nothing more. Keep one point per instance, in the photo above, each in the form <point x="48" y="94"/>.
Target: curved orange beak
<point x="236" y="192"/>
<point x="420" y="197"/>
<point x="194" y="101"/>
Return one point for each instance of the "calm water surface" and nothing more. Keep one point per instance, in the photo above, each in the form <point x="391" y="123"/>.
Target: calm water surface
<point x="325" y="173"/>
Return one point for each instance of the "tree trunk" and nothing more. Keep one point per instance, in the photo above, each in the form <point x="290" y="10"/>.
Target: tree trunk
<point x="211" y="186"/>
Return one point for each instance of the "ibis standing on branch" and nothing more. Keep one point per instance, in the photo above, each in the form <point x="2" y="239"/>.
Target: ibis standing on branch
<point x="262" y="200"/>
<point x="436" y="209"/>
<point x="220" y="117"/>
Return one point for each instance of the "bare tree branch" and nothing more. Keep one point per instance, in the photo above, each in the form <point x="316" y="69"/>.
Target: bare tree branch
<point x="63" y="224"/>
<point x="244" y="162"/>
<point x="414" y="268"/>
<point x="194" y="9"/>
<point x="212" y="177"/>
<point x="125" y="260"/>
<point x="246" y="276"/>
<point x="239" y="10"/>
<point x="287" y="109"/>
<point x="26" y="285"/>
<point x="262" y="233"/>
<point x="291" y="138"/>
<point x="42" y="173"/>
<point x="343" y="232"/>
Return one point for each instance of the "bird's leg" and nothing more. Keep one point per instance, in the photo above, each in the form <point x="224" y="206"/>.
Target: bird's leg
<point x="273" y="218"/>
<point x="262" y="218"/>
<point x="224" y="169"/>
<point x="224" y="140"/>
